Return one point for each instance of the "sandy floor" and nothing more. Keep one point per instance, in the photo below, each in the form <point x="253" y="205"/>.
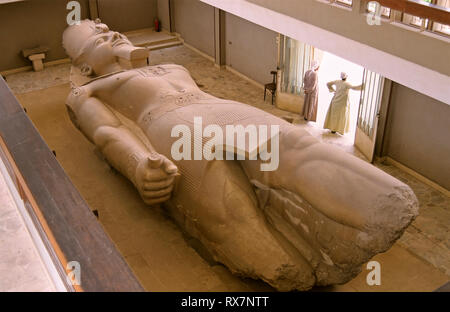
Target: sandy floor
<point x="164" y="259"/>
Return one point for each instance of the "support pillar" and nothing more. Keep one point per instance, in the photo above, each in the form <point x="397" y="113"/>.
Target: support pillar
<point x="93" y="9"/>
<point x="164" y="14"/>
<point x="172" y="15"/>
<point x="219" y="37"/>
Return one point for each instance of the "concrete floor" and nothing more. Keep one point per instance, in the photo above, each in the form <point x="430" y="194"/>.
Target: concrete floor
<point x="21" y="269"/>
<point x="158" y="252"/>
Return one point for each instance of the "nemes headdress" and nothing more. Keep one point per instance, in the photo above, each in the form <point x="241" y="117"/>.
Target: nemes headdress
<point x="75" y="37"/>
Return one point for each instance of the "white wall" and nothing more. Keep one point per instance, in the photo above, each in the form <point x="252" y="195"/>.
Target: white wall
<point x="250" y="49"/>
<point x="194" y="21"/>
<point x="127" y="15"/>
<point x="418" y="134"/>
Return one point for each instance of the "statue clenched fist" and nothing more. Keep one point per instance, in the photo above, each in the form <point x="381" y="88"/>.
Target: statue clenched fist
<point x="155" y="178"/>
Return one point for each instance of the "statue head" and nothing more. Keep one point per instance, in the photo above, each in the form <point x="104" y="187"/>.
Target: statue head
<point x="91" y="46"/>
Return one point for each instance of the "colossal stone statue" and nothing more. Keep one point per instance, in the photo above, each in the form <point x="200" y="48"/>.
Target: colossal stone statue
<point x="313" y="221"/>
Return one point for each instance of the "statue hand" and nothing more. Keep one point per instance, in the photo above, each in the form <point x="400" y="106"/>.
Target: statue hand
<point x="155" y="177"/>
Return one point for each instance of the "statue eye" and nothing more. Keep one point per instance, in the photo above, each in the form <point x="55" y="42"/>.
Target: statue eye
<point x="99" y="41"/>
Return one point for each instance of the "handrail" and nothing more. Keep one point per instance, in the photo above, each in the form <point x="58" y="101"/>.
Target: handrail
<point x="419" y="8"/>
<point x="63" y="219"/>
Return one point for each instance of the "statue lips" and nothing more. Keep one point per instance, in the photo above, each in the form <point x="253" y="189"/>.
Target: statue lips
<point x="119" y="42"/>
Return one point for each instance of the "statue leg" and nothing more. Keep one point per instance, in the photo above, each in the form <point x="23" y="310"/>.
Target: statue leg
<point x="337" y="210"/>
<point x="228" y="222"/>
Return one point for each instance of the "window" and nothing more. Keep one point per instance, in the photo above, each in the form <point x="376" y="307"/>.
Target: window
<point x="438" y="27"/>
<point x="370" y="101"/>
<point x="9" y="1"/>
<point x="441" y="28"/>
<point x="295" y="61"/>
<point x="345" y="2"/>
<point x="374" y="7"/>
<point x="426" y="24"/>
<point x="443" y="3"/>
<point x="415" y="20"/>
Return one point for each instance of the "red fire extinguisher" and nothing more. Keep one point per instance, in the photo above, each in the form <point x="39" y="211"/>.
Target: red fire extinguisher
<point x="157" y="25"/>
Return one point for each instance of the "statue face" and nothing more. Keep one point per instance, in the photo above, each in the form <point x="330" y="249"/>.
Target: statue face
<point x="99" y="48"/>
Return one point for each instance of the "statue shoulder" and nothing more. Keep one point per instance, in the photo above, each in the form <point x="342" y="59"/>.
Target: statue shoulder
<point x="77" y="96"/>
<point x="160" y="70"/>
<point x="108" y="82"/>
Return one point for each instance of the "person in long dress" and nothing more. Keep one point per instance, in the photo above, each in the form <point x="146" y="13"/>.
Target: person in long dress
<point x="337" y="119"/>
<point x="311" y="89"/>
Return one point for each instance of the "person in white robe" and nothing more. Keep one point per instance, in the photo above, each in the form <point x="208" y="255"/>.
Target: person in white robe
<point x="311" y="89"/>
<point x="337" y="119"/>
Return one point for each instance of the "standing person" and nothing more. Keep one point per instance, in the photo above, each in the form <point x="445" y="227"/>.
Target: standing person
<point x="311" y="87"/>
<point x="337" y="119"/>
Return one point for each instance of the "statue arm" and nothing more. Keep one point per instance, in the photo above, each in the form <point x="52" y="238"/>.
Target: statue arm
<point x="151" y="173"/>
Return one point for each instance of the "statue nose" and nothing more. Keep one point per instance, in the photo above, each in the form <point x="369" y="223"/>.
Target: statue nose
<point x="116" y="36"/>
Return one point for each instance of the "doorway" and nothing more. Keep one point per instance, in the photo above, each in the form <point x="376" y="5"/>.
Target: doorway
<point x="330" y="69"/>
<point x="295" y="59"/>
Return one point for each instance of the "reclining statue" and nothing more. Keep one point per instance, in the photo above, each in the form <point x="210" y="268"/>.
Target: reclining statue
<point x="314" y="221"/>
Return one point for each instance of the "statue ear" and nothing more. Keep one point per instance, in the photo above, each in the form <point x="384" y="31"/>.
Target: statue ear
<point x="86" y="70"/>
